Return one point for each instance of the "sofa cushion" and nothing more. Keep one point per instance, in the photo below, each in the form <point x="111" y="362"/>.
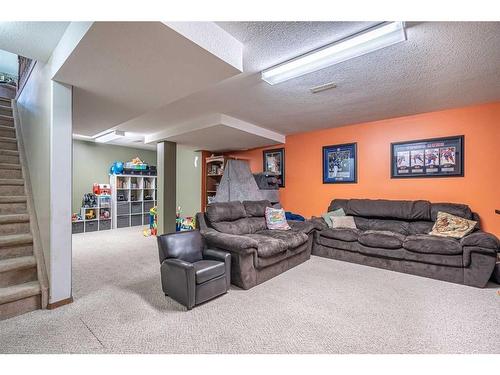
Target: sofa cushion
<point x="338" y="204"/>
<point x="328" y="215"/>
<point x="291" y="239"/>
<point x="240" y="226"/>
<point x="276" y="219"/>
<point x="448" y="225"/>
<point x="207" y="270"/>
<point x="256" y="224"/>
<point x="382" y="239"/>
<point x="225" y="211"/>
<point x="428" y="244"/>
<point x="456" y="209"/>
<point x="382" y="252"/>
<point x="382" y="208"/>
<point x="481" y="239"/>
<point x="420" y="227"/>
<point x="256" y="208"/>
<point x="389" y="225"/>
<point x="267" y="246"/>
<point x="301" y="226"/>
<point x="338" y="244"/>
<point x="406" y="255"/>
<point x="343" y="234"/>
<point x="342" y="222"/>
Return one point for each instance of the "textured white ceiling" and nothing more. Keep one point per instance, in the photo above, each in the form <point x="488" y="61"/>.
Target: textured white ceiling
<point x="35" y="40"/>
<point x="442" y="65"/>
<point x="121" y="70"/>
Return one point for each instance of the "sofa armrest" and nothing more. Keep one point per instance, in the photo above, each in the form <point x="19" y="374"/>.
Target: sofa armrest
<point x="229" y="242"/>
<point x="221" y="256"/>
<point x="178" y="281"/>
<point x="301" y="226"/>
<point x="319" y="223"/>
<point x="481" y="239"/>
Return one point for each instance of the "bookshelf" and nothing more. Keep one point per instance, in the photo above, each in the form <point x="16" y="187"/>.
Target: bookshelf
<point x="132" y="198"/>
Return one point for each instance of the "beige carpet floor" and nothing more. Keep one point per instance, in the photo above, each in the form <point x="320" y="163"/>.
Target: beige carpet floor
<point x="321" y="306"/>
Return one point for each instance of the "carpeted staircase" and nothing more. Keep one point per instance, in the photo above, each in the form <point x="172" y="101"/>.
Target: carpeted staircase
<point x="20" y="269"/>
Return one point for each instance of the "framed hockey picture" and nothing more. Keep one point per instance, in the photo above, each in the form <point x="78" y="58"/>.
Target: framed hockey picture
<point x="274" y="164"/>
<point x="437" y="157"/>
<point x="340" y="164"/>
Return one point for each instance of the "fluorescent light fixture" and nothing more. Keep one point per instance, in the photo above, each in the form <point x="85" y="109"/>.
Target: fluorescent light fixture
<point x="369" y="40"/>
<point x="108" y="137"/>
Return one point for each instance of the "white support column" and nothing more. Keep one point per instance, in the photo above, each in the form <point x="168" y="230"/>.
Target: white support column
<point x="60" y="192"/>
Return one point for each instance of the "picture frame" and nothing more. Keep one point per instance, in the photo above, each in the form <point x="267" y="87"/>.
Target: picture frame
<point x="340" y="164"/>
<point x="274" y="163"/>
<point x="427" y="158"/>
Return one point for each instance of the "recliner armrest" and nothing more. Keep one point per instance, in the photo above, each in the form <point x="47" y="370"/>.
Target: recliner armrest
<point x="301" y="226"/>
<point x="178" y="281"/>
<point x="481" y="239"/>
<point x="220" y="256"/>
<point x="229" y="242"/>
<point x="319" y="223"/>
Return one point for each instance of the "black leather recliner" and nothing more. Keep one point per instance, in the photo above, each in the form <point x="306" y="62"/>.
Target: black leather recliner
<point x="190" y="273"/>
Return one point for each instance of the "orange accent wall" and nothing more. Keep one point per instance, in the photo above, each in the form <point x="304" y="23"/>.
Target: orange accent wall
<point x="479" y="188"/>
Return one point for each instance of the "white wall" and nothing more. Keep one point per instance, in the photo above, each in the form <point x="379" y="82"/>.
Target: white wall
<point x="45" y="111"/>
<point x="8" y="63"/>
<point x="188" y="180"/>
<point x="34" y="106"/>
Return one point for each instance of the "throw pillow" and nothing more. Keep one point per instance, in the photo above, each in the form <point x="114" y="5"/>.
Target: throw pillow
<point x="343" y="222"/>
<point x="276" y="219"/>
<point x="448" y="225"/>
<point x="328" y="215"/>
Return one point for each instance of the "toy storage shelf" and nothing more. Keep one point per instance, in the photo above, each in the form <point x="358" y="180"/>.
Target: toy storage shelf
<point x="96" y="219"/>
<point x="133" y="197"/>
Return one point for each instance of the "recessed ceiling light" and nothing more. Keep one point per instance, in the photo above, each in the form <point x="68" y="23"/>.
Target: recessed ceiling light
<point x="369" y="40"/>
<point x="320" y="88"/>
<point x="108" y="137"/>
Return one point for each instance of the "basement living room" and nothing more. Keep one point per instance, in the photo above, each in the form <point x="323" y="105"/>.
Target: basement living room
<point x="282" y="187"/>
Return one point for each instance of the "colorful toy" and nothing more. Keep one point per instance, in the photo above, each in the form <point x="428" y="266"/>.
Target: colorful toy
<point x="153" y="223"/>
<point x="76" y="217"/>
<point x="101" y="189"/>
<point x="89" y="200"/>
<point x="116" y="168"/>
<point x="90" y="214"/>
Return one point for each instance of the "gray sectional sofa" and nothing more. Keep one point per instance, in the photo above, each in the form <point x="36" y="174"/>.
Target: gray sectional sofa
<point x="257" y="254"/>
<point x="394" y="235"/>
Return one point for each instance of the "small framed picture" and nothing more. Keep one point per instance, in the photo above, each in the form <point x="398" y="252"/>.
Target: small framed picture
<point x="340" y="164"/>
<point x="437" y="157"/>
<point x="274" y="164"/>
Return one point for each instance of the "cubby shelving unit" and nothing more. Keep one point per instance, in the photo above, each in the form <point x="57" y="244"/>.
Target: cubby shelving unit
<point x="99" y="220"/>
<point x="132" y="198"/>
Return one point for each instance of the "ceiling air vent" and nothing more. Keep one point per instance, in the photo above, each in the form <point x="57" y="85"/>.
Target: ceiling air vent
<point x="320" y="88"/>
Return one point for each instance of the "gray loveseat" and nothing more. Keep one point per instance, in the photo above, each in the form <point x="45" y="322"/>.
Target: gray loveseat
<point x="257" y="254"/>
<point x="393" y="235"/>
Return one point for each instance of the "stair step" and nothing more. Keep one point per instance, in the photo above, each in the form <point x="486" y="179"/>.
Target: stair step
<point x="7" y="131"/>
<point x="8" y="140"/>
<point x="10" y="166"/>
<point x="5" y="110"/>
<point x="9" y="128"/>
<point x="13" y="199"/>
<point x="17" y="292"/>
<point x="19" y="263"/>
<point x="13" y="205"/>
<point x="9" y="156"/>
<point x="6" y="101"/>
<point x="16" y="239"/>
<point x="14" y="218"/>
<point x="12" y="181"/>
<point x="8" y="143"/>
